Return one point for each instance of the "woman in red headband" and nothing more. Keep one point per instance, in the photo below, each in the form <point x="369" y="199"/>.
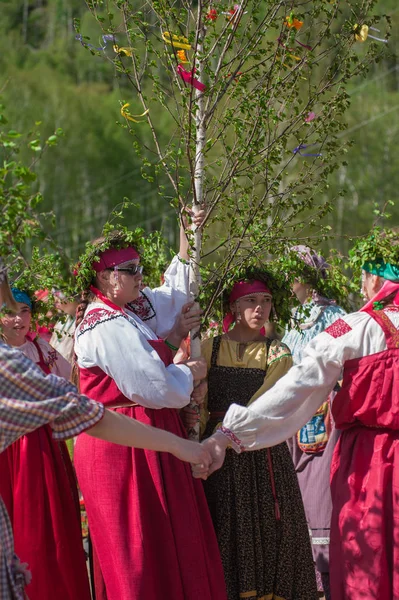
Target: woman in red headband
<point x="149" y="521"/>
<point x="255" y="501"/>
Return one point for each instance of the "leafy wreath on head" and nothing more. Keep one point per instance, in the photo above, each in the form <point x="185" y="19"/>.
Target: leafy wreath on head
<point x="331" y="282"/>
<point x="269" y="273"/>
<point x="380" y="244"/>
<point x="151" y="247"/>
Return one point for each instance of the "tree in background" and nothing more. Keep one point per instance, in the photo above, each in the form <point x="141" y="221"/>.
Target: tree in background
<point x="255" y="94"/>
<point x="47" y="75"/>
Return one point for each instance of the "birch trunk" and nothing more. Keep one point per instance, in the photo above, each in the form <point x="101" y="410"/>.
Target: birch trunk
<point x="198" y="202"/>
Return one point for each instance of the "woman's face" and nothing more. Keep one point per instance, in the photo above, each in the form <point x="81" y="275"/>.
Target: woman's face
<point x="254" y="310"/>
<point x="371" y="285"/>
<point x="15" y="325"/>
<point x="122" y="285"/>
<point x="301" y="290"/>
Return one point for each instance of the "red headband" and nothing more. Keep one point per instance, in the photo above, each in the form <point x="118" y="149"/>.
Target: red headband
<point x="241" y="289"/>
<point x="114" y="257"/>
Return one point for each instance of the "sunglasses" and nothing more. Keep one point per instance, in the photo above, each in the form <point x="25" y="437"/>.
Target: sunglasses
<point x="133" y="270"/>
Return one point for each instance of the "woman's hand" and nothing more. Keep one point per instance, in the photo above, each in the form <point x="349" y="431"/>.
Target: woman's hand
<point x="216" y="445"/>
<point x="189" y="416"/>
<point x="197" y="219"/>
<point x="187" y="320"/>
<point x="198" y="368"/>
<point x="192" y="452"/>
<point x="199" y="393"/>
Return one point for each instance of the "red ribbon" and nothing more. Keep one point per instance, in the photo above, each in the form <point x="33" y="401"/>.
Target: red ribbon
<point x="188" y="77"/>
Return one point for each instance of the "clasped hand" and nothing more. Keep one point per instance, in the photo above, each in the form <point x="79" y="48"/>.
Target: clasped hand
<point x="215" y="446"/>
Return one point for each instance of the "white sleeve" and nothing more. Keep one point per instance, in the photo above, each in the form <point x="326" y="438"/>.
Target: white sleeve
<point x="168" y="300"/>
<point x="123" y="353"/>
<point x="282" y="411"/>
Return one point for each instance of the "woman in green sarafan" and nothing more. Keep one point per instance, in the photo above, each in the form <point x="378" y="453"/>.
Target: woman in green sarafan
<point x="254" y="499"/>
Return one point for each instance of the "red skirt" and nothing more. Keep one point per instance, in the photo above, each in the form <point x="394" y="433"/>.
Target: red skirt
<point x="364" y="548"/>
<point x="38" y="487"/>
<point x="148" y="518"/>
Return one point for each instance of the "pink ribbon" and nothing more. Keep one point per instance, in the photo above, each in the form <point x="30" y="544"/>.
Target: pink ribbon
<point x="188" y="77"/>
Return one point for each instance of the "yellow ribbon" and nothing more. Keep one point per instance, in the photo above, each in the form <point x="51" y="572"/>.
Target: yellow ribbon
<point x="291" y="21"/>
<point x="181" y="55"/>
<point x="125" y="113"/>
<point x="361" y="33"/>
<point x="125" y="51"/>
<point x="177" y="41"/>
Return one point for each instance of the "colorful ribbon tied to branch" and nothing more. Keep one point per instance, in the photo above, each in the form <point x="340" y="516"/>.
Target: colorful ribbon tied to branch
<point x="188" y="77"/>
<point x="311" y="116"/>
<point x="108" y="37"/>
<point x="181" y="55"/>
<point x="291" y="21"/>
<point x="212" y="14"/>
<point x="125" y="113"/>
<point x="234" y="14"/>
<point x="298" y="150"/>
<point x="361" y="33"/>
<point x="123" y="51"/>
<point x="177" y="41"/>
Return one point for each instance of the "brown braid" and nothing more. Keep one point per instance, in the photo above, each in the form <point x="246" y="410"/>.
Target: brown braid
<point x="86" y="297"/>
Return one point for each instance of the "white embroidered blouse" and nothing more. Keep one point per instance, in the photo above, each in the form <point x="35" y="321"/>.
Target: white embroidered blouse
<point x="280" y="412"/>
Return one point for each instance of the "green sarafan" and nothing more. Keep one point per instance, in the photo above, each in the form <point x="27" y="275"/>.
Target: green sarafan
<point x="380" y="244"/>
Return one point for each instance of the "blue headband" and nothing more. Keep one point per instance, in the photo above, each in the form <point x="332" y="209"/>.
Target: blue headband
<point x="21" y="297"/>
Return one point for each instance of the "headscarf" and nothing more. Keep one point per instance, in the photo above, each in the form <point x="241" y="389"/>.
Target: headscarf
<point x="317" y="262"/>
<point x="20" y="296"/>
<point x="382" y="269"/>
<point x="240" y="290"/>
<point x="114" y="257"/>
<point x="391" y="285"/>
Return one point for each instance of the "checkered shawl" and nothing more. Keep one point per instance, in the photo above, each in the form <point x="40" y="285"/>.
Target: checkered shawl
<point x="28" y="400"/>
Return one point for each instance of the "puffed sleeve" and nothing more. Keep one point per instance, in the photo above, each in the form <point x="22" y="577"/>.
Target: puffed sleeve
<point x="279" y="413"/>
<point x="167" y="301"/>
<point x="123" y="353"/>
<point x="29" y="399"/>
<point x="279" y="363"/>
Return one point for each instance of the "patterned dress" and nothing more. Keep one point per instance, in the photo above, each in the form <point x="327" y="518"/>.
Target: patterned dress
<point x="254" y="499"/>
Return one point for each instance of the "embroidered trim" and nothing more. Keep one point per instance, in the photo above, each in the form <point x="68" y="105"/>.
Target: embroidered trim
<point x="338" y="328"/>
<point x="278" y="351"/>
<point x="320" y="541"/>
<point x="142" y="307"/>
<point x="95" y="317"/>
<point x="51" y="358"/>
<point x="390" y="326"/>
<point x="235" y="441"/>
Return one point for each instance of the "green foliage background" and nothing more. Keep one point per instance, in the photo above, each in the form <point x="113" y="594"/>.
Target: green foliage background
<point x="48" y="76"/>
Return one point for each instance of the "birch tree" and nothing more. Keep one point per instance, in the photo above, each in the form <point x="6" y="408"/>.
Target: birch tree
<point x="254" y="98"/>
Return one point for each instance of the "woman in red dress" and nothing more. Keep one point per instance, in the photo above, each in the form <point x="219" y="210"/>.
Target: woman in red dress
<point x="38" y="486"/>
<point x="148" y="518"/>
